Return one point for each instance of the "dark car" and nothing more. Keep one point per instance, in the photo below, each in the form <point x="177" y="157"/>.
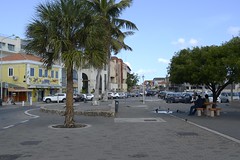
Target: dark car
<point x="173" y="97"/>
<point x="162" y="94"/>
<point x="78" y="98"/>
<point x="186" y="98"/>
<point x="151" y="93"/>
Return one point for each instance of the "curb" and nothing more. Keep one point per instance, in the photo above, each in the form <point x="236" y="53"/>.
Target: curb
<point x="97" y="112"/>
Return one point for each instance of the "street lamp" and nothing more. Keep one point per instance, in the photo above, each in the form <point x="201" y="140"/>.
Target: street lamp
<point x="1" y="41"/>
<point x="143" y="90"/>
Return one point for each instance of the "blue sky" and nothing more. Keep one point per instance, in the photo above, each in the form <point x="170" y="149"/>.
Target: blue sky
<point x="165" y="27"/>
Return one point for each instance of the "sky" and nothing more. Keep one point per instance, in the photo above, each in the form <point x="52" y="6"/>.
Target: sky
<point x="164" y="28"/>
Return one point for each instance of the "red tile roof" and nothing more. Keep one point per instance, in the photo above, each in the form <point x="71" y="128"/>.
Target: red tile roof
<point x="19" y="56"/>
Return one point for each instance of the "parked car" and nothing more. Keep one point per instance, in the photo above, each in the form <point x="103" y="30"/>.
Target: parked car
<point x="210" y="97"/>
<point x="78" y="97"/>
<point x="226" y="96"/>
<point x="162" y="94"/>
<point x="173" y="97"/>
<point x="88" y="97"/>
<point x="122" y="95"/>
<point x="186" y="97"/>
<point x="58" y="97"/>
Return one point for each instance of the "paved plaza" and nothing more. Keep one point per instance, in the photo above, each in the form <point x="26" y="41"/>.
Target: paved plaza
<point x="135" y="132"/>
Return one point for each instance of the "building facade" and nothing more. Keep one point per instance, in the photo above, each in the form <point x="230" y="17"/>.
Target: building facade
<point x="26" y="77"/>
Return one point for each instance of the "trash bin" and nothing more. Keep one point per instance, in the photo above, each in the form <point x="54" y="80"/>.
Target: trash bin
<point x="116" y="106"/>
<point x="0" y="102"/>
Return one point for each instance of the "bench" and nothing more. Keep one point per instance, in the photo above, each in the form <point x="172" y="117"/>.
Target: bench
<point x="200" y="111"/>
<point x="214" y="110"/>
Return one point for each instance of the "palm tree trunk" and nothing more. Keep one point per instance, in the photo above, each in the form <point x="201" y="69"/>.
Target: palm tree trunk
<point x="69" y="112"/>
<point x="96" y="93"/>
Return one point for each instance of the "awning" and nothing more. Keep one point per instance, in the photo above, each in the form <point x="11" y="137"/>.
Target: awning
<point x="19" y="90"/>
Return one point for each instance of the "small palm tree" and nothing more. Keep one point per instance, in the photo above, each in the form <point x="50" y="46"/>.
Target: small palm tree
<point x="108" y="12"/>
<point x="57" y="34"/>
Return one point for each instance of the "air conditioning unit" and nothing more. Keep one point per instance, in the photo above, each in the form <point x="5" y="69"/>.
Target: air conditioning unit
<point x="15" y="78"/>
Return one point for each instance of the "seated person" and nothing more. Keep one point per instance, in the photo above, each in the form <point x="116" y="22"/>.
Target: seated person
<point x="197" y="104"/>
<point x="206" y="100"/>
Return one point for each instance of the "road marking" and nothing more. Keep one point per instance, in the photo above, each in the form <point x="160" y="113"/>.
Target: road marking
<point x="8" y="126"/>
<point x="210" y="130"/>
<point x="31" y="115"/>
<point x="24" y="121"/>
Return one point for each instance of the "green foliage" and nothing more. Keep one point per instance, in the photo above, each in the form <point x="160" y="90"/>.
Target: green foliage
<point x="213" y="66"/>
<point x="132" y="80"/>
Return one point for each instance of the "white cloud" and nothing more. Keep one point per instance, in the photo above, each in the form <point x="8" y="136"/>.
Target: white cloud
<point x="193" y="42"/>
<point x="234" y="31"/>
<point x="162" y="60"/>
<point x="141" y="72"/>
<point x="182" y="43"/>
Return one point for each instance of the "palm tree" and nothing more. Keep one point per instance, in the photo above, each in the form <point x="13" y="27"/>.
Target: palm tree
<point x="57" y="33"/>
<point x="108" y="12"/>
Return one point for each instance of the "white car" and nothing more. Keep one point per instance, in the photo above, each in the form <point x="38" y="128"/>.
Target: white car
<point x="227" y="96"/>
<point x="88" y="97"/>
<point x="113" y="95"/>
<point x="58" y="97"/>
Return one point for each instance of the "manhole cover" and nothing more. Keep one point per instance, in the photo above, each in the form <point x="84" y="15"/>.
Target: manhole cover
<point x="150" y="120"/>
<point x="30" y="143"/>
<point x="138" y="155"/>
<point x="10" y="156"/>
<point x="187" y="134"/>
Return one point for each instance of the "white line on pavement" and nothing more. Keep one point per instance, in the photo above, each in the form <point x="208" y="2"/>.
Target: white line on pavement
<point x="210" y="130"/>
<point x="31" y="115"/>
<point x="8" y="126"/>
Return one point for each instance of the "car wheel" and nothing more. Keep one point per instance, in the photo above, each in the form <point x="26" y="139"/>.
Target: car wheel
<point x="64" y="100"/>
<point x="74" y="100"/>
<point x="48" y="100"/>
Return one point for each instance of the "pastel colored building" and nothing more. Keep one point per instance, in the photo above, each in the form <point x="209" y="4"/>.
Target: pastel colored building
<point x="25" y="77"/>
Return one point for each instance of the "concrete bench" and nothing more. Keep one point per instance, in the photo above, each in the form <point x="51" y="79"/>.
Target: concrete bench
<point x="214" y="110"/>
<point x="200" y="111"/>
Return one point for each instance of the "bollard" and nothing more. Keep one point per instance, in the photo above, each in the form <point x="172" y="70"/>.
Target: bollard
<point x="22" y="103"/>
<point x="30" y="101"/>
<point x="116" y="106"/>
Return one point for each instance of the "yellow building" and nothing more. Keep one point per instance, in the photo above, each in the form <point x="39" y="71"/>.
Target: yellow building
<point x="25" y="77"/>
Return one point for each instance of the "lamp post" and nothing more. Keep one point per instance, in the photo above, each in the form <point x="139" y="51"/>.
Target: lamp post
<point x="143" y="90"/>
<point x="1" y="41"/>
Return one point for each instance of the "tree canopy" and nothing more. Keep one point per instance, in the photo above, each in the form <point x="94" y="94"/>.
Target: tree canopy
<point x="132" y="80"/>
<point x="212" y="66"/>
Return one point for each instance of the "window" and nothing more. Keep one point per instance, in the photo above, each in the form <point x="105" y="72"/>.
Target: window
<point x="46" y="73"/>
<point x="10" y="72"/>
<point x="40" y="73"/>
<point x="56" y="74"/>
<point x="11" y="47"/>
<point x="31" y="71"/>
<point x="52" y="74"/>
<point x="2" y="45"/>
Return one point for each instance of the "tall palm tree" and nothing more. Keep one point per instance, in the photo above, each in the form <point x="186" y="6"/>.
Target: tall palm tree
<point x="57" y="33"/>
<point x="109" y="12"/>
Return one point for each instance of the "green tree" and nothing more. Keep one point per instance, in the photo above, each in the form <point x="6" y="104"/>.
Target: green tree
<point x="212" y="66"/>
<point x="58" y="33"/>
<point x="108" y="12"/>
<point x="132" y="80"/>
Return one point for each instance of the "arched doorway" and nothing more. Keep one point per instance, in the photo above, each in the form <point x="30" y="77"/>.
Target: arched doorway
<point x="85" y="83"/>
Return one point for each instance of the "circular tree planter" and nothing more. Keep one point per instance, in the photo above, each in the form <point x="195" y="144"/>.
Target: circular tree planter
<point x="61" y="126"/>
